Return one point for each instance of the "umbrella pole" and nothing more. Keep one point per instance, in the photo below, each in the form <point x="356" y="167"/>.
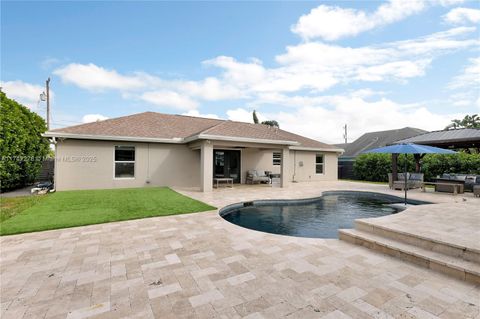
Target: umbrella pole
<point x="405" y="178"/>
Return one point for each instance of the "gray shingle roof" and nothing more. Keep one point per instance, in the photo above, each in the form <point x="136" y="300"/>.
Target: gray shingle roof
<point x="378" y="139"/>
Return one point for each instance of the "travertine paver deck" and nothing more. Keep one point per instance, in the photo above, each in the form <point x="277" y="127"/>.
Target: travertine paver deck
<point x="200" y="266"/>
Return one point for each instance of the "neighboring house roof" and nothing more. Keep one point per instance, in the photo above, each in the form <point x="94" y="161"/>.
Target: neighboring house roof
<point x="378" y="139"/>
<point x="168" y="128"/>
<point x="466" y="137"/>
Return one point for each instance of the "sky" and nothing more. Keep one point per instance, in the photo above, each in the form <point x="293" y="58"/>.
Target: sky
<point x="312" y="66"/>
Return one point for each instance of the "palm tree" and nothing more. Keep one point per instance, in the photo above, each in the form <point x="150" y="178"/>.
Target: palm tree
<point x="255" y="118"/>
<point x="469" y="121"/>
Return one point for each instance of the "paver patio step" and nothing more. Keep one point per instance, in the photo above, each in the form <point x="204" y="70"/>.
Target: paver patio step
<point x="410" y="237"/>
<point x="454" y="266"/>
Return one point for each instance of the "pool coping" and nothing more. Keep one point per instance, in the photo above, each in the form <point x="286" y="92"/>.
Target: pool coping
<point x="292" y="202"/>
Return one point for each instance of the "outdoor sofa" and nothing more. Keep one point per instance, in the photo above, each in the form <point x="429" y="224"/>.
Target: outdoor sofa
<point x="468" y="181"/>
<point x="414" y="180"/>
<point x="254" y="176"/>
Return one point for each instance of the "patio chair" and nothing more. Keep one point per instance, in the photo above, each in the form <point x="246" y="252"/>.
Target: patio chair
<point x="414" y="180"/>
<point x="476" y="190"/>
<point x="400" y="182"/>
<point x="254" y="176"/>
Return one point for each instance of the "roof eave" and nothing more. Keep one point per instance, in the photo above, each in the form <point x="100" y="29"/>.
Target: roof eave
<point x="113" y="138"/>
<point x="239" y="139"/>
<point x="317" y="149"/>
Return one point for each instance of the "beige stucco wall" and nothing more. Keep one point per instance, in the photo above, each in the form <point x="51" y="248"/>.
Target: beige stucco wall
<point x="170" y="164"/>
<point x="258" y="159"/>
<point x="262" y="159"/>
<point x="307" y="171"/>
<point x="161" y="164"/>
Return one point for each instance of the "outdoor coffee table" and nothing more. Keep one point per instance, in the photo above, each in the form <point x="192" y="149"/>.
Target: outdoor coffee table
<point x="228" y="182"/>
<point x="457" y="188"/>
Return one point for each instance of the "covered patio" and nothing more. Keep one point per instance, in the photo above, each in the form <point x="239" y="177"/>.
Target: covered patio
<point x="291" y="161"/>
<point x="233" y="159"/>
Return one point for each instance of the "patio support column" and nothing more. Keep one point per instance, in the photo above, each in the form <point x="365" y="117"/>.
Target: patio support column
<point x="394" y="166"/>
<point x="285" y="171"/>
<point x="206" y="166"/>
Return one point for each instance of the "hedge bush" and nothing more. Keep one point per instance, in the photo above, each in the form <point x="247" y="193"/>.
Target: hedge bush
<point x="22" y="148"/>
<point x="375" y="167"/>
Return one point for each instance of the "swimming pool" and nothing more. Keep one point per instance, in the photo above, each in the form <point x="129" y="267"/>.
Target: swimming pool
<point x="316" y="217"/>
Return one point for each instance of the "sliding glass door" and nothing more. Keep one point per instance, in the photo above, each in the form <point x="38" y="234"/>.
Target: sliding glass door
<point x="226" y="163"/>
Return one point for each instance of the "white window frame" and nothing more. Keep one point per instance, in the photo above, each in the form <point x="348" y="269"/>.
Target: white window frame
<point x="280" y="158"/>
<point x="134" y="162"/>
<point x="320" y="164"/>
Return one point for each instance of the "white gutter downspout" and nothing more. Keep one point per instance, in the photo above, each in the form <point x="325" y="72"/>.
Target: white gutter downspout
<point x="54" y="142"/>
<point x="294" y="165"/>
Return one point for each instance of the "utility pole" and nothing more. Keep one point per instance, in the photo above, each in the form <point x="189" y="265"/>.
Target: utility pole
<point x="47" y="84"/>
<point x="345" y="133"/>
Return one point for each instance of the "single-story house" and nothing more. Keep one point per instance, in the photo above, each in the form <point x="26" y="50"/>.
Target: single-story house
<point x="174" y="150"/>
<point x="368" y="141"/>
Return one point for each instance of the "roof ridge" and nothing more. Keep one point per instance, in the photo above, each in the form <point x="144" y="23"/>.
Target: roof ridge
<point x="205" y="130"/>
<point x="103" y="121"/>
<point x="190" y="116"/>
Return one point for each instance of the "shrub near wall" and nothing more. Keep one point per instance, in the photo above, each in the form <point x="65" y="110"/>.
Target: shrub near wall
<point x="22" y="148"/>
<point x="375" y="167"/>
<point x="372" y="167"/>
<point x="437" y="164"/>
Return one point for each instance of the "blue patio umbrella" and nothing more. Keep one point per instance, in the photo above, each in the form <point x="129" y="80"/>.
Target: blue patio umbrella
<point x="409" y="148"/>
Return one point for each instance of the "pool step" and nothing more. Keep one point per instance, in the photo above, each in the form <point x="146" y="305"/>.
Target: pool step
<point x="428" y="243"/>
<point x="453" y="266"/>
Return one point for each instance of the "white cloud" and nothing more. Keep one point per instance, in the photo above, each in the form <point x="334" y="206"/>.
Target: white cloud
<point x="88" y="118"/>
<point x="463" y="16"/>
<point x="169" y="99"/>
<point x="304" y="70"/>
<point x="195" y="113"/>
<point x="397" y="60"/>
<point x="461" y="103"/>
<point x="93" y="77"/>
<point x="332" y="23"/>
<point x="49" y="62"/>
<point x="323" y="118"/>
<point x="210" y="89"/>
<point x="466" y="85"/>
<point x="309" y="67"/>
<point x="243" y="115"/>
<point x="397" y="69"/>
<point x="24" y="93"/>
<point x="470" y="77"/>
<point x="439" y="42"/>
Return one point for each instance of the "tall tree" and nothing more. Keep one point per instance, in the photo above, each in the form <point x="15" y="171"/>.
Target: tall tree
<point x="255" y="118"/>
<point x="22" y="147"/>
<point x="272" y="123"/>
<point x="469" y="121"/>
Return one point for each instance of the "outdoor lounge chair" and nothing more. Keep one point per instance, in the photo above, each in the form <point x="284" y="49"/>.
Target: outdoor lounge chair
<point x="254" y="176"/>
<point x="414" y="180"/>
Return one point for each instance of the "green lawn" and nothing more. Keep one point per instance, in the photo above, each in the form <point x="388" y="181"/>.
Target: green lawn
<point x="78" y="208"/>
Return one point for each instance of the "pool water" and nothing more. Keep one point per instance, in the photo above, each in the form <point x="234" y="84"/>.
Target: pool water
<point x="319" y="218"/>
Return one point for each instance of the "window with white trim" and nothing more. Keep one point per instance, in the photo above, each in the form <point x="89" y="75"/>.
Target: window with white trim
<point x="124" y="162"/>
<point x="277" y="158"/>
<point x="319" y="162"/>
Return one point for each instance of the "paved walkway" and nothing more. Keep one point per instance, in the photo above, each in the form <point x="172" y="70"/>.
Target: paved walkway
<point x="200" y="266"/>
<point x="25" y="191"/>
